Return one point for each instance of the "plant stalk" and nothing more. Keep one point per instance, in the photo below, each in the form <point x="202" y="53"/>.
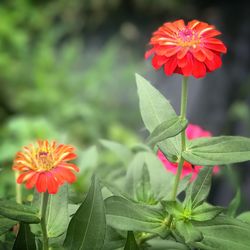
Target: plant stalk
<point x="44" y="203"/>
<point x="18" y="189"/>
<point x="184" y="94"/>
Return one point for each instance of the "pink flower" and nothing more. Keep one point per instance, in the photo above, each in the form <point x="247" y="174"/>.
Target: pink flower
<point x="192" y="132"/>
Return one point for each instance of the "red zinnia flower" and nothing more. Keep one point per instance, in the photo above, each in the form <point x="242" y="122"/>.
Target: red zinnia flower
<point x="186" y="49"/>
<point x="192" y="132"/>
<point x="45" y="166"/>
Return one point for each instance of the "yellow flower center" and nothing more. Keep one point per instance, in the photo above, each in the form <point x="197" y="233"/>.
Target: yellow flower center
<point x="45" y="160"/>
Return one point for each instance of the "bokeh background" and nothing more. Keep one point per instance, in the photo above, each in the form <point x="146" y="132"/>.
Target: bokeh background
<point x="67" y="73"/>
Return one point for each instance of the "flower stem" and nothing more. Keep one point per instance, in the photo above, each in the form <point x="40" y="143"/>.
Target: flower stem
<point x="44" y="203"/>
<point x="183" y="136"/>
<point x="18" y="189"/>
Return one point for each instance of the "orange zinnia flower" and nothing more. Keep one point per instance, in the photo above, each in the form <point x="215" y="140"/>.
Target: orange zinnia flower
<point x="46" y="166"/>
<point x="186" y="49"/>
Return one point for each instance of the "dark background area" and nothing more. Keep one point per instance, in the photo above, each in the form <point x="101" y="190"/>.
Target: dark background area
<point x="67" y="73"/>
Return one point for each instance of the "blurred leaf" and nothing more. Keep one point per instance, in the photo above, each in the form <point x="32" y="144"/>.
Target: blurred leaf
<point x="174" y="208"/>
<point x="163" y="244"/>
<point x="87" y="227"/>
<point x="88" y="158"/>
<point x="223" y="233"/>
<point x="6" y="224"/>
<point x="121" y="151"/>
<point x="199" y="189"/>
<point x="167" y="129"/>
<point x="113" y="239"/>
<point x="188" y="231"/>
<point x="234" y="204"/>
<point x="143" y="190"/>
<point x="154" y="107"/>
<point x="205" y="212"/>
<point x="126" y="215"/>
<point x="161" y="181"/>
<point x="245" y="217"/>
<point x="217" y="150"/>
<point x="15" y="211"/>
<point x="25" y="239"/>
<point x="131" y="243"/>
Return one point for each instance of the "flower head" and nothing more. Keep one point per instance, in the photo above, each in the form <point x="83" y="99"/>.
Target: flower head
<point x="190" y="49"/>
<point x="45" y="166"/>
<point x="192" y="132"/>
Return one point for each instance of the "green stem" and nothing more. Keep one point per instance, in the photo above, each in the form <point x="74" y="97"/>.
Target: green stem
<point x="183" y="136"/>
<point x="44" y="203"/>
<point x="18" y="189"/>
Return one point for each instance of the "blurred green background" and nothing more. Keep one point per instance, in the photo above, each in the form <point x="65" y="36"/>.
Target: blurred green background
<point x="67" y="70"/>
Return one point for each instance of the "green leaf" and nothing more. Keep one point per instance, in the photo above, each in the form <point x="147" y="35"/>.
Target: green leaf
<point x="217" y="150"/>
<point x="57" y="213"/>
<point x="122" y="152"/>
<point x="88" y="158"/>
<point x="131" y="243"/>
<point x="245" y="217"/>
<point x="126" y="215"/>
<point x="234" y="204"/>
<point x="6" y="224"/>
<point x="188" y="231"/>
<point x="161" y="181"/>
<point x="87" y="227"/>
<point x="223" y="233"/>
<point x="205" y="212"/>
<point x="15" y="211"/>
<point x="154" y="107"/>
<point x="199" y="189"/>
<point x="167" y="129"/>
<point x="174" y="208"/>
<point x="113" y="239"/>
<point x="163" y="244"/>
<point x="143" y="190"/>
<point x="25" y="239"/>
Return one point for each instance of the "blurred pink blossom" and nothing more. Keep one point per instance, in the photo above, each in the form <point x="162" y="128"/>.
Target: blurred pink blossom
<point x="192" y="132"/>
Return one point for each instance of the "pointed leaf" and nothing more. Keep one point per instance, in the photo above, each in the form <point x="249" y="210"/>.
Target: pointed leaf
<point x="15" y="211"/>
<point x="25" y="239"/>
<point x="87" y="227"/>
<point x="205" y="212"/>
<point x="188" y="231"/>
<point x="113" y="239"/>
<point x="143" y="190"/>
<point x="126" y="215"/>
<point x="161" y="181"/>
<point x="234" y="204"/>
<point x="154" y="107"/>
<point x="131" y="243"/>
<point x="200" y="188"/>
<point x="167" y="129"/>
<point x="223" y="233"/>
<point x="218" y="150"/>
